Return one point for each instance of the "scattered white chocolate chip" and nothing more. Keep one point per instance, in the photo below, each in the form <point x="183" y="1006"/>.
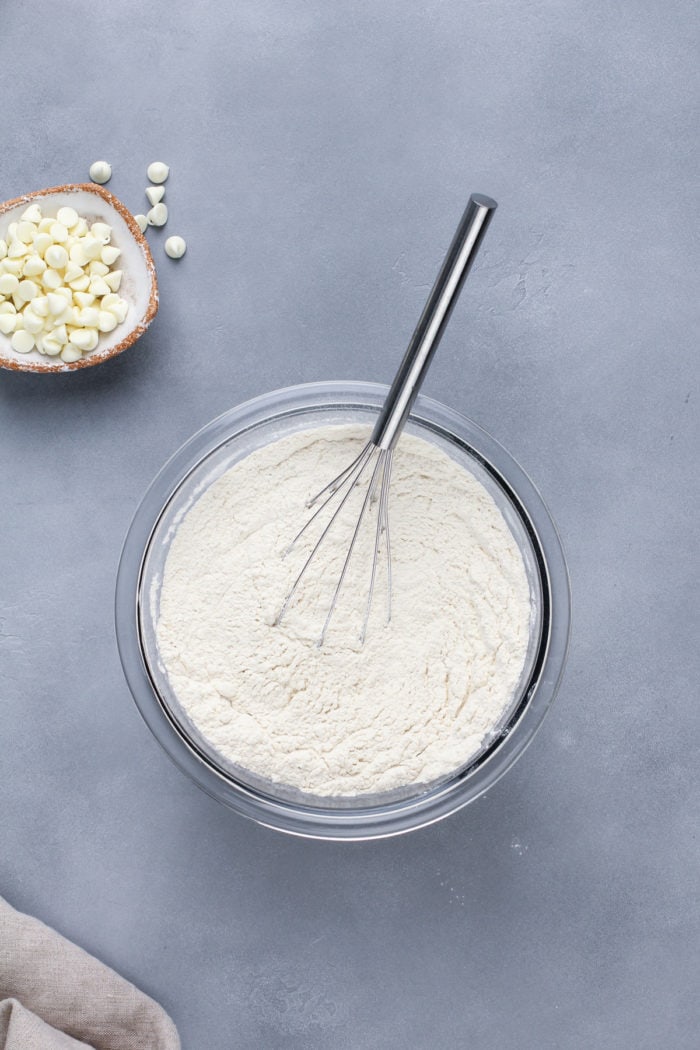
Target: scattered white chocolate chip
<point x="157" y="171"/>
<point x="158" y="215"/>
<point x="100" y="172"/>
<point x="155" y="194"/>
<point x="141" y="221"/>
<point x="175" y="247"/>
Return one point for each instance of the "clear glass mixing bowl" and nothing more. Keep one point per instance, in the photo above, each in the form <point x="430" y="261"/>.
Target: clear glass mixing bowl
<point x="188" y="474"/>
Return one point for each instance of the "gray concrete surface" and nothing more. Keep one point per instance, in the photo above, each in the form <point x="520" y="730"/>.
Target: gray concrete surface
<point x="321" y="154"/>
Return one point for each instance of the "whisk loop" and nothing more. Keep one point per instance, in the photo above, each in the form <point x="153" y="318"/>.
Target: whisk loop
<point x="377" y="453"/>
<point x="348" y="480"/>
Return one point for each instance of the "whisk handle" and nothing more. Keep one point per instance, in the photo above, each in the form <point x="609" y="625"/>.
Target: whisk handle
<point x="433" y="320"/>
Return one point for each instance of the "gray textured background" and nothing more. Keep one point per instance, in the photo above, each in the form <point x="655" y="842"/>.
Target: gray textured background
<point x="321" y="155"/>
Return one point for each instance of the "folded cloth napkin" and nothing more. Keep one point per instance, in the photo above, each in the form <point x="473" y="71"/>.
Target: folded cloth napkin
<point x="57" y="997"/>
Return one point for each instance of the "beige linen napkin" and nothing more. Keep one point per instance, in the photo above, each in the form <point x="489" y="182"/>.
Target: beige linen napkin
<point x="57" y="997"/>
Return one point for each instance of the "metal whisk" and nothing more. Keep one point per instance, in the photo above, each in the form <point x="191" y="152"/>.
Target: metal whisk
<point x="376" y="456"/>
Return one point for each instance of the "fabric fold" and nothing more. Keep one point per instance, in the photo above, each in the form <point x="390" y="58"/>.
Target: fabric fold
<point x="58" y="997"/>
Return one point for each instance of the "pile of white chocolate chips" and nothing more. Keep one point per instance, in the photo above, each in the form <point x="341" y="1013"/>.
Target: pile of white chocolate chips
<point x="58" y="283"/>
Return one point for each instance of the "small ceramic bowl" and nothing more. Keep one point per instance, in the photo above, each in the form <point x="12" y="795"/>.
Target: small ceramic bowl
<point x="139" y="287"/>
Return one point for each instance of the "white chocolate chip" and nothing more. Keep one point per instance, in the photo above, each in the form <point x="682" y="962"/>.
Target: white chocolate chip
<point x="100" y="172"/>
<point x="158" y="215"/>
<point x="33" y="266"/>
<point x="56" y="303"/>
<point x="26" y="231"/>
<point x="84" y="338"/>
<point x="42" y="241"/>
<point x="8" y="284"/>
<point x="106" y="321"/>
<point x="96" y="268"/>
<point x="101" y="231"/>
<point x="157" y="171"/>
<point x="72" y="272"/>
<point x="59" y="232"/>
<point x="32" y="213"/>
<point x="32" y="323"/>
<point x="110" y="254"/>
<point x="88" y="317"/>
<point x="113" y="280"/>
<point x="92" y="248"/>
<point x="51" y="346"/>
<point x="28" y="290"/>
<point x="175" y="247"/>
<point x="56" y="256"/>
<point x="141" y="221"/>
<point x="51" y="279"/>
<point x="22" y="342"/>
<point x="99" y="287"/>
<point x="68" y="217"/>
<point x="8" y="323"/>
<point x="155" y="194"/>
<point x="69" y="354"/>
<point x="77" y="254"/>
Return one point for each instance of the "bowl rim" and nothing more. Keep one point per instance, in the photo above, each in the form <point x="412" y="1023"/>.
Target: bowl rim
<point x="359" y="823"/>
<point x="137" y="330"/>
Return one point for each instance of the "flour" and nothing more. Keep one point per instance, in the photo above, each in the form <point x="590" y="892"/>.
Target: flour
<point x="413" y="704"/>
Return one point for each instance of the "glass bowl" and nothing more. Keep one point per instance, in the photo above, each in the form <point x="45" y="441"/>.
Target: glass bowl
<point x="203" y="459"/>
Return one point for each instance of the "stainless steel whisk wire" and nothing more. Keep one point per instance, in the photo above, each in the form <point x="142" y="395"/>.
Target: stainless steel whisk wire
<point x="378" y="451"/>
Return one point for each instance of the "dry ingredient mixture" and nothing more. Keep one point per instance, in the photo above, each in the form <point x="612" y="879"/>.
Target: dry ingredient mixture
<point x="411" y="705"/>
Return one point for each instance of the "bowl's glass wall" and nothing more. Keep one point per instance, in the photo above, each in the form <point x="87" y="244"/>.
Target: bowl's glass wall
<point x="205" y="458"/>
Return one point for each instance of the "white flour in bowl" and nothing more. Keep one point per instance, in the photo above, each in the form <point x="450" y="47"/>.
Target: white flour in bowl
<point x="411" y="705"/>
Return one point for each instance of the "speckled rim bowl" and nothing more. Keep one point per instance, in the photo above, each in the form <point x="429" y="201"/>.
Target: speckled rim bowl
<point x="139" y="286"/>
<point x="205" y="457"/>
